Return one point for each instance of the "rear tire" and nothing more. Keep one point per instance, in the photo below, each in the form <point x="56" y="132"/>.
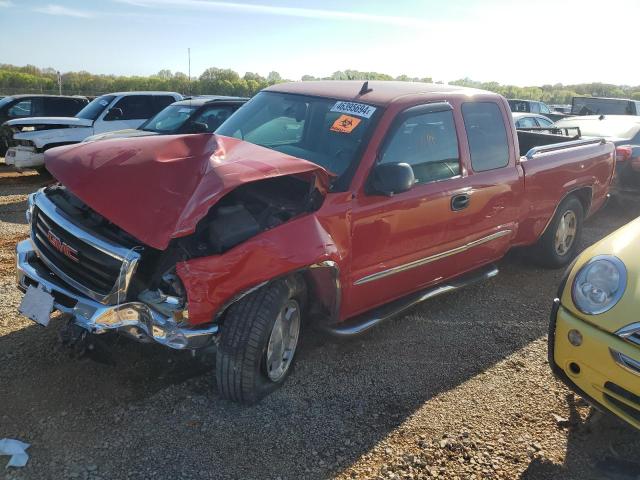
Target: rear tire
<point x="559" y="244"/>
<point x="259" y="340"/>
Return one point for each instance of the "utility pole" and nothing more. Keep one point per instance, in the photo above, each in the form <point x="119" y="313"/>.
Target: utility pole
<point x="189" y="56"/>
<point x="59" y="83"/>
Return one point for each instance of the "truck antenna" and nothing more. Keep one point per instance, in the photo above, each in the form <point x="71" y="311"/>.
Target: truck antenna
<point x="189" y="78"/>
<point x="365" y="88"/>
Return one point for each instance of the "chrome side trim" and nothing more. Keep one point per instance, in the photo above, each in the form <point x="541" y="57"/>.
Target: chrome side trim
<point x="561" y="146"/>
<point x="626" y="362"/>
<point x="432" y="258"/>
<point x="128" y="257"/>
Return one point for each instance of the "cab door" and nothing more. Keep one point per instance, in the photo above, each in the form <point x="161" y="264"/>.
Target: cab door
<point x="414" y="239"/>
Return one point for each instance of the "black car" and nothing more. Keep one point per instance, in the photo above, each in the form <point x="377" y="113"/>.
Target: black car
<point x="604" y="106"/>
<point x="21" y="106"/>
<point x="195" y="115"/>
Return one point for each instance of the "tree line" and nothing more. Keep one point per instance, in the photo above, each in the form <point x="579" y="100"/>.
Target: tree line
<point x="31" y="79"/>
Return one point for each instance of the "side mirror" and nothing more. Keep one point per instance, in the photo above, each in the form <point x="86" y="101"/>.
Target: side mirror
<point x="114" y="114"/>
<point x="391" y="178"/>
<point x="198" y="127"/>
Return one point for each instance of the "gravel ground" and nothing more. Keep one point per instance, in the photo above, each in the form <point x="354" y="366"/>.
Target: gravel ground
<point x="457" y="388"/>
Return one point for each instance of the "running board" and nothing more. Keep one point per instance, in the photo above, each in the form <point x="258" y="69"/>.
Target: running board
<point x="370" y="319"/>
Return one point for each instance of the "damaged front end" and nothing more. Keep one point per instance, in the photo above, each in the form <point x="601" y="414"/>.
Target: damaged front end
<point x="92" y="278"/>
<point x="107" y="280"/>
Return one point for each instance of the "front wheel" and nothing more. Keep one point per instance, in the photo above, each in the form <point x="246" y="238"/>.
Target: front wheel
<point x="559" y="244"/>
<point x="259" y="339"/>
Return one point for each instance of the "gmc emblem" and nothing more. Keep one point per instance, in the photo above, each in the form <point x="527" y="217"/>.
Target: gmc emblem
<point x="62" y="247"/>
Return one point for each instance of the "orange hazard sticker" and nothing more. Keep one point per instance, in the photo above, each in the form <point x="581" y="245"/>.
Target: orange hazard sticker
<point x="345" y="124"/>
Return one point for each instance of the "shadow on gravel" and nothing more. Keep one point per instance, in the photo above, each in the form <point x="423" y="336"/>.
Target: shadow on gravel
<point x="602" y="446"/>
<point x="342" y="399"/>
<point x="13" y="212"/>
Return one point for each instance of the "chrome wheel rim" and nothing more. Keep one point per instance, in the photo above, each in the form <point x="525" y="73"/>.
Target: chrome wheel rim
<point x="566" y="233"/>
<point x="283" y="341"/>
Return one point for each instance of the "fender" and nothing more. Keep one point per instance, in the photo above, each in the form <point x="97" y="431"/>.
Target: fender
<point x="215" y="282"/>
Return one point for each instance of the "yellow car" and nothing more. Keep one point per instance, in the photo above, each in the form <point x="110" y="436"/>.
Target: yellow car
<point x="594" y="335"/>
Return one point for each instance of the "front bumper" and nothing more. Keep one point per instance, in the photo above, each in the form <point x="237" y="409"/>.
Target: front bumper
<point x="135" y="319"/>
<point x="598" y="378"/>
<point x="24" y="157"/>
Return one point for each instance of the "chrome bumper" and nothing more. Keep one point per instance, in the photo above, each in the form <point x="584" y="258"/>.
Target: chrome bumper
<point x="134" y="319"/>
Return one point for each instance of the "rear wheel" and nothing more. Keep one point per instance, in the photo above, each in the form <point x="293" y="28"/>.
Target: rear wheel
<point x="559" y="244"/>
<point x="259" y="339"/>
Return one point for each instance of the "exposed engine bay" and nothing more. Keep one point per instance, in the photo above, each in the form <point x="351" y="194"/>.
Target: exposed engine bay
<point x="240" y="215"/>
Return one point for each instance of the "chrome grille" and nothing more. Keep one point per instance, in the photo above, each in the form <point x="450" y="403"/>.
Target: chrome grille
<point x="98" y="268"/>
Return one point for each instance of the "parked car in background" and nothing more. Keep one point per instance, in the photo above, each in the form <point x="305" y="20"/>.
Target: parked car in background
<point x="624" y="132"/>
<point x="193" y="115"/>
<point x="604" y="106"/>
<point x="531" y="120"/>
<point x="31" y="137"/>
<point x="566" y="109"/>
<point x="594" y="336"/>
<point x="22" y="106"/>
<point x="532" y="106"/>
<point x="335" y="202"/>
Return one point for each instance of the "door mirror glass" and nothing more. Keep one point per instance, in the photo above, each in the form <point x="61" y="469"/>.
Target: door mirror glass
<point x="391" y="178"/>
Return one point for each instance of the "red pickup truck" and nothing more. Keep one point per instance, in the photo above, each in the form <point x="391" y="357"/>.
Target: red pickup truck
<point x="332" y="203"/>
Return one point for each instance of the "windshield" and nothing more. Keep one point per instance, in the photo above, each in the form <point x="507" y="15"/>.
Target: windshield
<point x="95" y="107"/>
<point x="323" y="131"/>
<point x="612" y="127"/>
<point x="602" y="106"/>
<point x="5" y="100"/>
<point x="169" y="120"/>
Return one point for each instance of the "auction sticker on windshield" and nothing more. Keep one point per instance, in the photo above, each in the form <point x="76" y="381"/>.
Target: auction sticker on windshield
<point x="345" y="124"/>
<point x="352" y="108"/>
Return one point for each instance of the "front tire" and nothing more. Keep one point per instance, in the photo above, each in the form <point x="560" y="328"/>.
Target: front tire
<point x="259" y="339"/>
<point x="559" y="244"/>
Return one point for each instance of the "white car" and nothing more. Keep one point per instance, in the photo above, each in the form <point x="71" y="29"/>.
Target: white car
<point x="114" y="111"/>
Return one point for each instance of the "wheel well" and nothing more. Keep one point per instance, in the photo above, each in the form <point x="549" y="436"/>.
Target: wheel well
<point x="584" y="195"/>
<point x="322" y="290"/>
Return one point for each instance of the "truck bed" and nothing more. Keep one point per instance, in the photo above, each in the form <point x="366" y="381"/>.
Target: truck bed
<point x="531" y="138"/>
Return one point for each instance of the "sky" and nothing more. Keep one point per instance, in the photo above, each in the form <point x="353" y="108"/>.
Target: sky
<point x="519" y="42"/>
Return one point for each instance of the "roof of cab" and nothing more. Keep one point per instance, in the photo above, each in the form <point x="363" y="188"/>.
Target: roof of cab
<point x="381" y="92"/>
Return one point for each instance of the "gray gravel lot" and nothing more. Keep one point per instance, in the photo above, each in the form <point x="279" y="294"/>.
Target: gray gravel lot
<point x="457" y="388"/>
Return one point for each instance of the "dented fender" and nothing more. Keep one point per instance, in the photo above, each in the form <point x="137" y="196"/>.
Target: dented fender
<point x="213" y="282"/>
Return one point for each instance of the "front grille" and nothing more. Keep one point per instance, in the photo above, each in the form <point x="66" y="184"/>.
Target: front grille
<point x="95" y="270"/>
<point x="632" y="398"/>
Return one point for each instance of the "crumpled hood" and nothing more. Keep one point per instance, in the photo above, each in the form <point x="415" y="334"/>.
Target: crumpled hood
<point x="158" y="188"/>
<point x="62" y="121"/>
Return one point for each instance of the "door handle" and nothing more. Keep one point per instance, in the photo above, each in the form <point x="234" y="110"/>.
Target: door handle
<point x="460" y="202"/>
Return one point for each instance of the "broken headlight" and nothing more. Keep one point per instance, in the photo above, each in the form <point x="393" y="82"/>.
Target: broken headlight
<point x="169" y="298"/>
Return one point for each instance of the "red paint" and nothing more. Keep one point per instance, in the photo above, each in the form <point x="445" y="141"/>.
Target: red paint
<point x="175" y="180"/>
<point x="157" y="188"/>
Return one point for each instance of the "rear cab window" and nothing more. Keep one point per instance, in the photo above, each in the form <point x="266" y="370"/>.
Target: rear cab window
<point x="486" y="135"/>
<point x="428" y="143"/>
